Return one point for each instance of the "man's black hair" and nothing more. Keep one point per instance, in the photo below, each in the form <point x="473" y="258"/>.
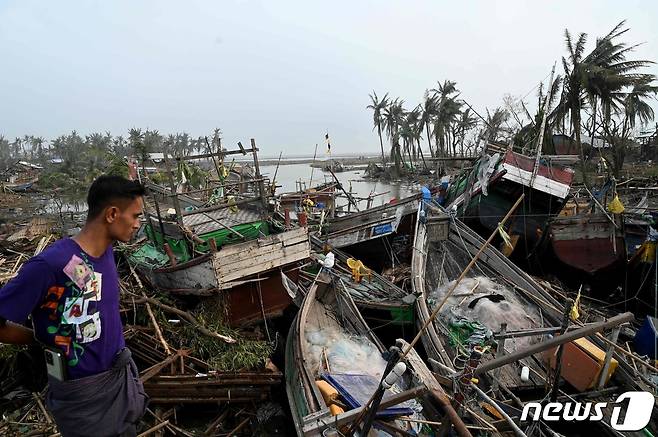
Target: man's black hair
<point x="107" y="189"/>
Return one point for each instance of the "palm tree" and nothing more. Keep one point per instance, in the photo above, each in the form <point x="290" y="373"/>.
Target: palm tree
<point x="465" y="123"/>
<point x="635" y="105"/>
<point x="393" y="117"/>
<point x="5" y="152"/>
<point x="598" y="78"/>
<point x="494" y="124"/>
<point x="377" y="107"/>
<point x="447" y="110"/>
<point x="407" y="136"/>
<point x="412" y="120"/>
<point x="427" y="114"/>
<point x="16" y="148"/>
<point x="136" y="141"/>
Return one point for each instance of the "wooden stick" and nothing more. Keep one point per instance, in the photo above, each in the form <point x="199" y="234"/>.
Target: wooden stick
<point x="238" y="428"/>
<point x="631" y="355"/>
<point x="459" y="279"/>
<point x="429" y="422"/>
<point x="42" y="408"/>
<point x="154" y="429"/>
<point x="189" y="317"/>
<point x="158" y="332"/>
<point x="553" y="342"/>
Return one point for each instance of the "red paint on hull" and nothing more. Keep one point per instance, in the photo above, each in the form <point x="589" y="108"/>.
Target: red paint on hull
<point x="589" y="255"/>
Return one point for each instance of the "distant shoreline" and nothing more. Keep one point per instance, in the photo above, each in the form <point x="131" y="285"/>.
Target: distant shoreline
<point x="319" y="162"/>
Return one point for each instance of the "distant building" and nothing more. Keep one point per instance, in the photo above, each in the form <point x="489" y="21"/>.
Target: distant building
<point x="648" y="137"/>
<point x="20" y="176"/>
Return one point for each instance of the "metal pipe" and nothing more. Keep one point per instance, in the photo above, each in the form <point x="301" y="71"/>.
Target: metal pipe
<point x="502" y="412"/>
<point x="555" y="341"/>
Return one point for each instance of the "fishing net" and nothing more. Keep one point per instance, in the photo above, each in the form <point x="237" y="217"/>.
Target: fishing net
<point x="343" y="353"/>
<point x="481" y="302"/>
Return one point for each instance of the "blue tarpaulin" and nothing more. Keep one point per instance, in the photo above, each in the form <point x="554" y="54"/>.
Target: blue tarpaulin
<point x="356" y="390"/>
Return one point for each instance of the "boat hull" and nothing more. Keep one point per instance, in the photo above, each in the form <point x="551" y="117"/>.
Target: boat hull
<point x="590" y="244"/>
<point x="248" y="274"/>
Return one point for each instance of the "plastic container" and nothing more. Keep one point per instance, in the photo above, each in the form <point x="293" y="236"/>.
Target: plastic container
<point x="646" y="338"/>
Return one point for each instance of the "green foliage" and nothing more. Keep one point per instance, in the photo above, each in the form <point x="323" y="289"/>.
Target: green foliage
<point x="118" y="167"/>
<point x="242" y="355"/>
<point x="56" y="180"/>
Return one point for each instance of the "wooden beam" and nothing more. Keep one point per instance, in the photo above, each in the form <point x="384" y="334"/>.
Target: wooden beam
<point x="345" y="418"/>
<point x="216" y="154"/>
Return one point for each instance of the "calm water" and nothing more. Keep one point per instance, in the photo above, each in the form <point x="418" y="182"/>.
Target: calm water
<point x="288" y="176"/>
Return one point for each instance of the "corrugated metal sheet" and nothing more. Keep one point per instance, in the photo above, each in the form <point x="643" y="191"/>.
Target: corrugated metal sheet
<point x="201" y="223"/>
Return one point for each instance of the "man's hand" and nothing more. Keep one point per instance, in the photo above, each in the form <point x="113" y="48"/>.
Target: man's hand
<point x="13" y="333"/>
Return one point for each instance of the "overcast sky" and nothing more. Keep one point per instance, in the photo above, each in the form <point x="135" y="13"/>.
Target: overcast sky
<point x="282" y="72"/>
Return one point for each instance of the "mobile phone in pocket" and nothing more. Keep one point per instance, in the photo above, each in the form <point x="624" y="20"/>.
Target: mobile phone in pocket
<point x="55" y="363"/>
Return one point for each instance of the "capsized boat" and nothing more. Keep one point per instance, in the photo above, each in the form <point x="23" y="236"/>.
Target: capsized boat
<point x="370" y="224"/>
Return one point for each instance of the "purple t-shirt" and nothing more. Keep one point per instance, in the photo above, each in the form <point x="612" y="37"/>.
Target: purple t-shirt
<point x="74" y="301"/>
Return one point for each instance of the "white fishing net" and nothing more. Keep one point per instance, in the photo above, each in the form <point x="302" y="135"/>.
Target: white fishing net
<point x="343" y="352"/>
<point x="490" y="303"/>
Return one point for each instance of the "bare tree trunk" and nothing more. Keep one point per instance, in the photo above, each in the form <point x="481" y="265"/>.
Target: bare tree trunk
<point x="381" y="143"/>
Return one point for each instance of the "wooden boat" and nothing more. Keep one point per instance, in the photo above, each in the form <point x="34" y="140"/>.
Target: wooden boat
<point x="248" y="271"/>
<point x="376" y="297"/>
<point x="373" y="223"/>
<point x="20" y="176"/>
<point x="310" y="200"/>
<point x="442" y="249"/>
<point x="234" y="247"/>
<point x="482" y="195"/>
<point x="589" y="243"/>
<point x="326" y="306"/>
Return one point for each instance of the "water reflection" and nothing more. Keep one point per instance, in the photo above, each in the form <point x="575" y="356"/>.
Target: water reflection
<point x="288" y="176"/>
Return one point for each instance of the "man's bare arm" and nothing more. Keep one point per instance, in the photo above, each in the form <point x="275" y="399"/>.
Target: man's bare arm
<point x="13" y="333"/>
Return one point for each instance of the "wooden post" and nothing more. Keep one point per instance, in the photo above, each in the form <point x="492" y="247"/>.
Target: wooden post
<point x="286" y="214"/>
<point x="608" y="357"/>
<point x="172" y="187"/>
<point x="500" y="351"/>
<point x="261" y="187"/>
<point x="560" y="351"/>
<point x="170" y="254"/>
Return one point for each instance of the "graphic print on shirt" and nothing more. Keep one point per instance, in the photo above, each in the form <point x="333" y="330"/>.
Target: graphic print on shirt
<point x="76" y="318"/>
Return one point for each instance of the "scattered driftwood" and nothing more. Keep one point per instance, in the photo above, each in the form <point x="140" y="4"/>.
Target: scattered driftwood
<point x="185" y="315"/>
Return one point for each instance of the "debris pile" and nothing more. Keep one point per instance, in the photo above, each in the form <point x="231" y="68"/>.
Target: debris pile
<point x="201" y="376"/>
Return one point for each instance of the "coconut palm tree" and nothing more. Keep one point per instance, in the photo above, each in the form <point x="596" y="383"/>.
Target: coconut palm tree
<point x="5" y="152"/>
<point x="447" y="110"/>
<point x="598" y="78"/>
<point x="466" y="122"/>
<point x="635" y="103"/>
<point x="377" y="107"/>
<point x="140" y="150"/>
<point x="393" y="117"/>
<point x="427" y="114"/>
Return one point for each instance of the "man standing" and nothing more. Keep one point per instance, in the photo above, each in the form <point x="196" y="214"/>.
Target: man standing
<point x="71" y="290"/>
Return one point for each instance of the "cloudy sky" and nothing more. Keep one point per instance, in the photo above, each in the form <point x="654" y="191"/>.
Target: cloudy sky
<point x="283" y="72"/>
